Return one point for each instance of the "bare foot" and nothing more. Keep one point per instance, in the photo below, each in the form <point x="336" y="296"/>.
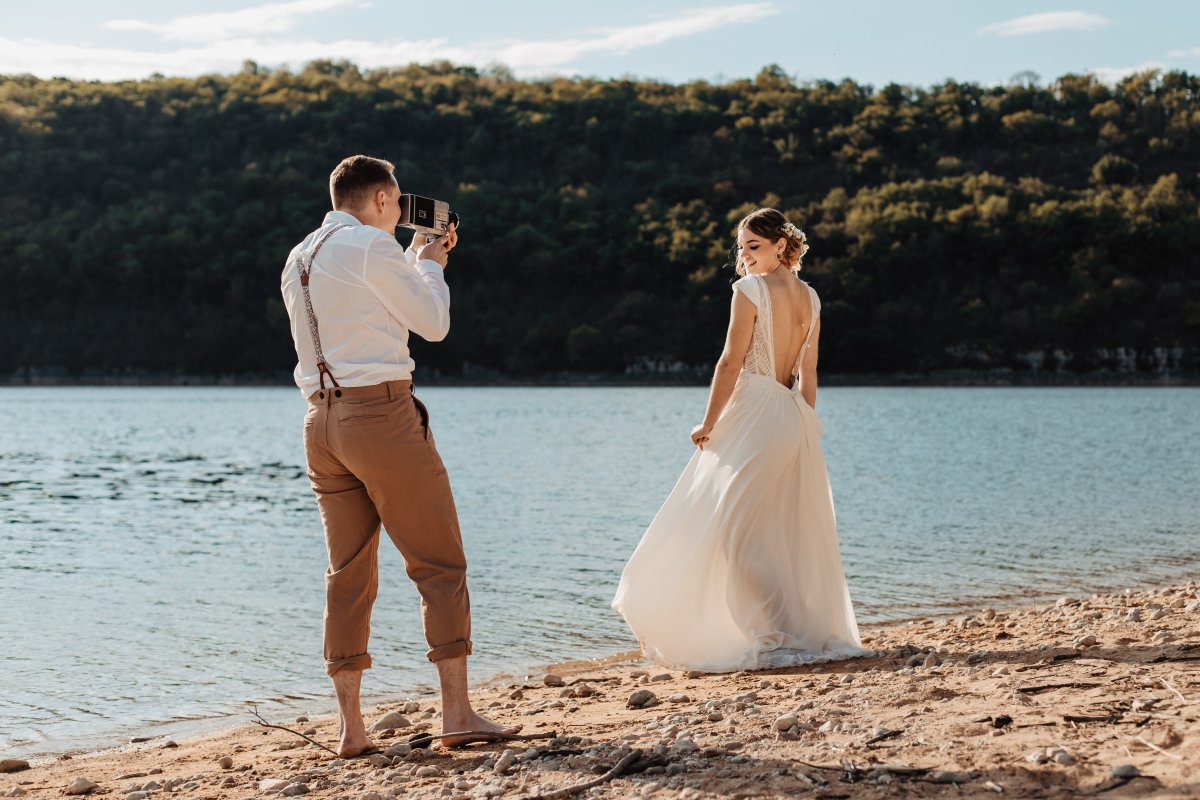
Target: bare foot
<point x="472" y="722"/>
<point x="352" y="746"/>
<point x="354" y="741"/>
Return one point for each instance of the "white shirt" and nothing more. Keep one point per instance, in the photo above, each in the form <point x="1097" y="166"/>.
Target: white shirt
<point x="367" y="292"/>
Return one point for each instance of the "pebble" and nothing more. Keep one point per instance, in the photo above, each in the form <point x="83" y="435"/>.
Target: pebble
<point x="1063" y="757"/>
<point x="391" y="721"/>
<point x="398" y="749"/>
<point x="661" y="677"/>
<point x="428" y="772"/>
<point x="138" y="795"/>
<point x="1134" y="615"/>
<point x="301" y="718"/>
<point x="169" y="744"/>
<point x="684" y="745"/>
<point x="294" y="790"/>
<point x="1037" y="757"/>
<point x="1163" y="636"/>
<point x="269" y="785"/>
<point x="505" y="762"/>
<point x="1162" y="612"/>
<point x="829" y="726"/>
<point x="1126" y="771"/>
<point x="680" y="698"/>
<point x="151" y="786"/>
<point x="715" y="716"/>
<point x="13" y="765"/>
<point x="1085" y="641"/>
<point x="225" y="762"/>
<point x="931" y="660"/>
<point x="550" y="679"/>
<point x="642" y="698"/>
<point x="1001" y="670"/>
<point x="371" y="796"/>
<point x="694" y="673"/>
<point x="784" y="722"/>
<point x="17" y="791"/>
<point x="80" y="786"/>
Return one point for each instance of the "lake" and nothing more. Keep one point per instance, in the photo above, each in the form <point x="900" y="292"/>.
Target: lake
<point x="162" y="560"/>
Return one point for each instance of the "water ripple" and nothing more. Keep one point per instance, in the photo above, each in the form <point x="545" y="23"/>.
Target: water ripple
<point x="162" y="558"/>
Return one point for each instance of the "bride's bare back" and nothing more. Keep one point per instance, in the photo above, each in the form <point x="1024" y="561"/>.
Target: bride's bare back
<point x="791" y="316"/>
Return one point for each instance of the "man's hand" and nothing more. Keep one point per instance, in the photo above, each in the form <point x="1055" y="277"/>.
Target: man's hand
<point x="437" y="248"/>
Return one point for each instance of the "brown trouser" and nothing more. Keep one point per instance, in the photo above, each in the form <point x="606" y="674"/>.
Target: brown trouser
<point x="371" y="459"/>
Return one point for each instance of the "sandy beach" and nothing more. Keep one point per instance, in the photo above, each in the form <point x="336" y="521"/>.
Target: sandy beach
<point x="1097" y="696"/>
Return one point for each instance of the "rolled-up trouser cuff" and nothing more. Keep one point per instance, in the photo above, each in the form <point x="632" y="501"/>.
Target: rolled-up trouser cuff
<point x="453" y="650"/>
<point x="360" y="662"/>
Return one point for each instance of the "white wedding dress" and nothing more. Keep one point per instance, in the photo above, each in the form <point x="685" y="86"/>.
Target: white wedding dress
<point x="740" y="568"/>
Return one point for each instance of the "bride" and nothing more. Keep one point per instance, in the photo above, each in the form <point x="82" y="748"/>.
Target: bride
<point x="740" y="569"/>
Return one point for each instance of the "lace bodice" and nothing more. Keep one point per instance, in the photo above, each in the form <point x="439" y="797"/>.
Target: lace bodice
<point x="760" y="358"/>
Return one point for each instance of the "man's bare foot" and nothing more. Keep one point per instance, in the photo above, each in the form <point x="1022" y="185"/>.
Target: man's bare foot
<point x="472" y="722"/>
<point x="354" y="746"/>
<point x="354" y="741"/>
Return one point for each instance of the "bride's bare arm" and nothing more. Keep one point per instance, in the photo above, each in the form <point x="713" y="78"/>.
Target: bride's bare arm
<point x="808" y="367"/>
<point x="729" y="365"/>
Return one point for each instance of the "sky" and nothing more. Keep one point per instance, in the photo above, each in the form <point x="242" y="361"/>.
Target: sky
<point x="916" y="42"/>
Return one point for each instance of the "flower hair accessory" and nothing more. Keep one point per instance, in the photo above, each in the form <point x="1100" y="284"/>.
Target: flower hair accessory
<point x="792" y="230"/>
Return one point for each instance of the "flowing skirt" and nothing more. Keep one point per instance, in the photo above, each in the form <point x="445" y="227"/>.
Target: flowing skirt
<point x="740" y="568"/>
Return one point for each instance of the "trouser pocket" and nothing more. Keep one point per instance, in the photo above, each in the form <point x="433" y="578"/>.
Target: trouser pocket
<point x="424" y="412"/>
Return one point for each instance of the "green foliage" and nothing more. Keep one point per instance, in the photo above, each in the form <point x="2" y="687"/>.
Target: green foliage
<point x="144" y="224"/>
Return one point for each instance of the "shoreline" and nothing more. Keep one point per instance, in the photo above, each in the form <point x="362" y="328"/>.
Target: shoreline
<point x="1107" y="676"/>
<point x="689" y="378"/>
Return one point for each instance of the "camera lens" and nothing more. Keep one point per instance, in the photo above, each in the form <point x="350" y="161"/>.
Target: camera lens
<point x="454" y="220"/>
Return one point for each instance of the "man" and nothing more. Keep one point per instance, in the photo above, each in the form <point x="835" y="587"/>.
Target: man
<point x="371" y="455"/>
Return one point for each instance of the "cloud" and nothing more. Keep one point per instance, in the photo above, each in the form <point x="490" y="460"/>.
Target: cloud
<point x="211" y="53"/>
<point x="1191" y="52"/>
<point x="270" y="18"/>
<point x="1118" y="74"/>
<point x="525" y="55"/>
<point x="1045" y="23"/>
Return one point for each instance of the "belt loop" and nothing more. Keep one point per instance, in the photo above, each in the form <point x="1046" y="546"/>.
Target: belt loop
<point x="391" y="387"/>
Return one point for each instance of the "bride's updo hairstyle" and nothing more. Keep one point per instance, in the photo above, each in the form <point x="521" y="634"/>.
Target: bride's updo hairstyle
<point x="773" y="226"/>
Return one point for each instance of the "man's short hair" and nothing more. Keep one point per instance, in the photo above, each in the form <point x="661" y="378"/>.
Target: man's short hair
<point x="355" y="181"/>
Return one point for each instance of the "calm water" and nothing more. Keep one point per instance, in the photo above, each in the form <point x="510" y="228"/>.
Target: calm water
<point x="161" y="557"/>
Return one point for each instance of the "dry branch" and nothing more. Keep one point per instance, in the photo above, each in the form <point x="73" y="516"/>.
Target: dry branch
<point x="259" y="720"/>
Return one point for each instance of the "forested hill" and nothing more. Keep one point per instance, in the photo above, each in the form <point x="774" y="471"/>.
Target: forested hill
<point x="143" y="225"/>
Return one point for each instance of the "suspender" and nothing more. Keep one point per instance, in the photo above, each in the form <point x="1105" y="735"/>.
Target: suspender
<point x="305" y="266"/>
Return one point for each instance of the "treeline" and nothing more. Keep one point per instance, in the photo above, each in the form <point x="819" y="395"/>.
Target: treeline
<point x="143" y="225"/>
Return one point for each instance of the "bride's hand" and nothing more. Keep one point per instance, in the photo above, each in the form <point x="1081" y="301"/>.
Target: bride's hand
<point x="700" y="436"/>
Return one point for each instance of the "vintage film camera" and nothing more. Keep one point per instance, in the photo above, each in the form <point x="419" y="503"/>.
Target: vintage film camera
<point x="426" y="216"/>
